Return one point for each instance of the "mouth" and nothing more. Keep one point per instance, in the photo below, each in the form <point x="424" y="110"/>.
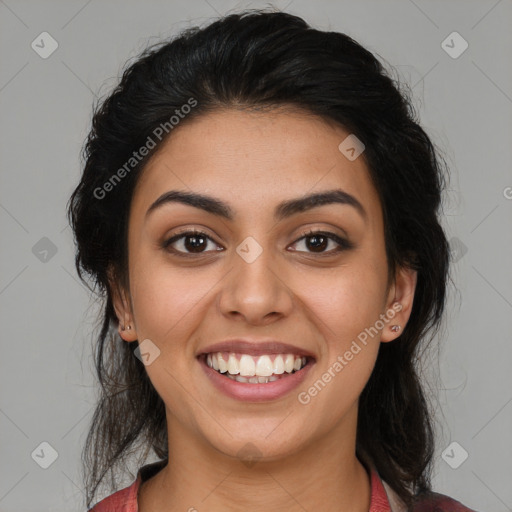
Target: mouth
<point x="260" y="378"/>
<point x="249" y="369"/>
<point x="255" y="371"/>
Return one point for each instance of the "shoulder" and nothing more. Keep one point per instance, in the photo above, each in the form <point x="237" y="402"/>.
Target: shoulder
<point x="435" y="502"/>
<point x="427" y="502"/>
<point x="124" y="500"/>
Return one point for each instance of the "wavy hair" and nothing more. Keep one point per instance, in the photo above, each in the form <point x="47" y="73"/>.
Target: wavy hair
<point x="259" y="59"/>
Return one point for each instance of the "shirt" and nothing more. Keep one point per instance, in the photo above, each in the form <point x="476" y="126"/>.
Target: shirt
<point x="383" y="498"/>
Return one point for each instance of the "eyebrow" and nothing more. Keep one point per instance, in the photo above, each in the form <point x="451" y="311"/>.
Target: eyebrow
<point x="283" y="210"/>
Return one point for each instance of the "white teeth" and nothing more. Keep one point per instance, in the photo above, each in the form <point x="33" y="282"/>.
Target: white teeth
<point x="223" y="366"/>
<point x="278" y="365"/>
<point x="252" y="380"/>
<point x="247" y="366"/>
<point x="264" y="366"/>
<point x="288" y="363"/>
<point x="255" y="369"/>
<point x="233" y="365"/>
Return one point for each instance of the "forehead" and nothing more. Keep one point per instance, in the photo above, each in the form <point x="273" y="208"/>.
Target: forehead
<point x="251" y="158"/>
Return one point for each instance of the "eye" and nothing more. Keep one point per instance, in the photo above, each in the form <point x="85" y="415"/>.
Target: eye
<point x="319" y="241"/>
<point x="188" y="242"/>
<point x="194" y="242"/>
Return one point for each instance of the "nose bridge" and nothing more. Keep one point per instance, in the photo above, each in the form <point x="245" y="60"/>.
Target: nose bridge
<point x="255" y="287"/>
<point x="254" y="264"/>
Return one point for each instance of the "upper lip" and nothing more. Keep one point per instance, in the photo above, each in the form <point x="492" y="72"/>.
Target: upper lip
<point x="255" y="348"/>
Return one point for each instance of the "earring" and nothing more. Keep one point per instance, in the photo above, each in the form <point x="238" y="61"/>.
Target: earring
<point x="128" y="327"/>
<point x="395" y="328"/>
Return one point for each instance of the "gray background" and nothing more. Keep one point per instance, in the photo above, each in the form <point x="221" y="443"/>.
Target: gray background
<point x="47" y="317"/>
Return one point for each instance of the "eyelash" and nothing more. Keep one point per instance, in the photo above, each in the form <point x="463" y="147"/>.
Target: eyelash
<point x="343" y="244"/>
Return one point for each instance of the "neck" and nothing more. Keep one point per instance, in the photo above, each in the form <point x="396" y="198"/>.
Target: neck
<point x="198" y="477"/>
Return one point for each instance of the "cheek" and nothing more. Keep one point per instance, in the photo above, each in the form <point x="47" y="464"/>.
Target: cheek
<point x="168" y="305"/>
<point x="344" y="301"/>
<point x="342" y="308"/>
<point x="344" y="304"/>
<point x="167" y="299"/>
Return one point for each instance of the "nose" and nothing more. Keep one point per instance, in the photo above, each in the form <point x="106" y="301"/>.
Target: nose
<point x="256" y="290"/>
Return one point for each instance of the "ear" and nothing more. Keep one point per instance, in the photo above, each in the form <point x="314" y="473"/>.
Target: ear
<point x="123" y="309"/>
<point x="399" y="303"/>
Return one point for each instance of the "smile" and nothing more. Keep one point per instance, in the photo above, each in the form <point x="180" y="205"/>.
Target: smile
<point x="255" y="369"/>
<point x="255" y="378"/>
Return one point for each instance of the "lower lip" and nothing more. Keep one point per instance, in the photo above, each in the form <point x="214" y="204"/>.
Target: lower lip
<point x="255" y="392"/>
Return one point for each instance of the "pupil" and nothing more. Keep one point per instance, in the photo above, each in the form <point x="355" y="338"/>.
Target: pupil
<point x="196" y="243"/>
<point x="315" y="244"/>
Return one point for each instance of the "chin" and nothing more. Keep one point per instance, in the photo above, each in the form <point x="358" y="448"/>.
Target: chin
<point x="258" y="444"/>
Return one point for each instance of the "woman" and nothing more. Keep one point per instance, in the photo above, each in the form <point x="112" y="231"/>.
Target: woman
<point x="259" y="208"/>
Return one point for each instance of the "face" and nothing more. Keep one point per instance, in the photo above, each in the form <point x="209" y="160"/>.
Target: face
<point x="253" y="275"/>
